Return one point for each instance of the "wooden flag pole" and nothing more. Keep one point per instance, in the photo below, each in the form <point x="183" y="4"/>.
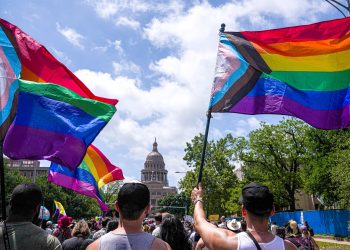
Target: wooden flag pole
<point x="205" y="141"/>
<point x="2" y="183"/>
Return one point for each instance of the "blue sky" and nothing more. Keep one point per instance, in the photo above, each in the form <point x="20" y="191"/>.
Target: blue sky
<point x="157" y="57"/>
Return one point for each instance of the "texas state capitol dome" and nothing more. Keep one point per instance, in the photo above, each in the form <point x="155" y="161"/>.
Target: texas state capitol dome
<point x="155" y="176"/>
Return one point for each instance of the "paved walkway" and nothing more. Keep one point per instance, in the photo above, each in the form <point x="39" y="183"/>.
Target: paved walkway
<point x="333" y="241"/>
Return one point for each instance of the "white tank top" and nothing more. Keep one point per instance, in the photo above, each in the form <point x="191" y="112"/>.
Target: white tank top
<point x="246" y="243"/>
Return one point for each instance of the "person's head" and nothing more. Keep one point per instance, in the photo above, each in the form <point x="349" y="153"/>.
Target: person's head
<point x="64" y="222"/>
<point x="81" y="228"/>
<point x="274" y="223"/>
<point x="133" y="201"/>
<point x="305" y="233"/>
<point x="158" y="218"/>
<point x="166" y="215"/>
<point x="292" y="229"/>
<point x="257" y="201"/>
<point x="104" y="222"/>
<point x="151" y="228"/>
<point x="173" y="232"/>
<point x="25" y="200"/>
<point x="49" y="224"/>
<point x="111" y="225"/>
<point x="222" y="219"/>
<point x="306" y="224"/>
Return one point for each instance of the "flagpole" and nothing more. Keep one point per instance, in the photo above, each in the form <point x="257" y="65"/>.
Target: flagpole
<point x="205" y="140"/>
<point x="336" y="4"/>
<point x="2" y="182"/>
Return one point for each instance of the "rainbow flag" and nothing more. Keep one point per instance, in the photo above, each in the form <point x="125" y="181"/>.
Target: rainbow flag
<point x="301" y="71"/>
<point x="10" y="68"/>
<point x="94" y="172"/>
<point x="58" y="117"/>
<point x="59" y="209"/>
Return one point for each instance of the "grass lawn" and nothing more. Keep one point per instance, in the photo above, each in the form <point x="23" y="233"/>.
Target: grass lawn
<point x="332" y="246"/>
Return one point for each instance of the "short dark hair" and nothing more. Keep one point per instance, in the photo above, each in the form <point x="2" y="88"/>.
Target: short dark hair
<point x="111" y="225"/>
<point x="257" y="199"/>
<point x="104" y="222"/>
<point x="25" y="199"/>
<point x="158" y="217"/>
<point x="133" y="198"/>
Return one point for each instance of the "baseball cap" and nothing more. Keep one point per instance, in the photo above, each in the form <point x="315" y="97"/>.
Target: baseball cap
<point x="257" y="198"/>
<point x="133" y="196"/>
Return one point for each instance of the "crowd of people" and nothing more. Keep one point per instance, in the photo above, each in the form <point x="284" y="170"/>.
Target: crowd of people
<point x="136" y="229"/>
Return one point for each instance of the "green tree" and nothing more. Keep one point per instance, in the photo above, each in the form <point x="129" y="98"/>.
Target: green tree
<point x="12" y="179"/>
<point x="110" y="192"/>
<point x="81" y="206"/>
<point x="76" y="205"/>
<point x="181" y="201"/>
<point x="221" y="185"/>
<point x="317" y="173"/>
<point x="51" y="192"/>
<point x="274" y="155"/>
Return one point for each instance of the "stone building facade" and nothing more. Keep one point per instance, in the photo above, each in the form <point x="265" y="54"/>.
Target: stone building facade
<point x="155" y="176"/>
<point x="28" y="168"/>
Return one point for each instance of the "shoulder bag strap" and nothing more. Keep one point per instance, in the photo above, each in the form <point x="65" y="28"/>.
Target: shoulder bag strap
<point x="253" y="239"/>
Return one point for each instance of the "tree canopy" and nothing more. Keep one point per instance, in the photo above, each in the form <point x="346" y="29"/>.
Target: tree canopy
<point x="221" y="185"/>
<point x="289" y="157"/>
<point x="176" y="204"/>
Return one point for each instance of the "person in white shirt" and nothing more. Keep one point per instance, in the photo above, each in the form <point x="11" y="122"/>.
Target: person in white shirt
<point x="257" y="207"/>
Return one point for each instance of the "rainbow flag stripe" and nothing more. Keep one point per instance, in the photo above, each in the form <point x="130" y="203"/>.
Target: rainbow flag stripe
<point x="58" y="117"/>
<point x="38" y="65"/>
<point x="57" y="123"/>
<point x="93" y="173"/>
<point x="301" y="71"/>
<point x="10" y="68"/>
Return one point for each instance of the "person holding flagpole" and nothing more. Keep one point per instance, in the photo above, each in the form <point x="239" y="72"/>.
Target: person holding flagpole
<point x="257" y="207"/>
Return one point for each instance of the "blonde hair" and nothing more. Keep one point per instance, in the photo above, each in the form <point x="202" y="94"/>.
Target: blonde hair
<point x="81" y="227"/>
<point x="294" y="226"/>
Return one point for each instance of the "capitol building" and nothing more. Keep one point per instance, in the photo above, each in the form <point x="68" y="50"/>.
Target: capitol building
<point x="155" y="176"/>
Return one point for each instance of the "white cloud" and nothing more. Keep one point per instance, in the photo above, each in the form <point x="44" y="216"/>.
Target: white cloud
<point x="101" y="49"/>
<point x="125" y="66"/>
<point x="110" y="8"/>
<point x="174" y="109"/>
<point x="128" y="22"/>
<point x="104" y="8"/>
<point x="167" y="111"/>
<point x="250" y="123"/>
<point x="117" y="45"/>
<point x="71" y="35"/>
